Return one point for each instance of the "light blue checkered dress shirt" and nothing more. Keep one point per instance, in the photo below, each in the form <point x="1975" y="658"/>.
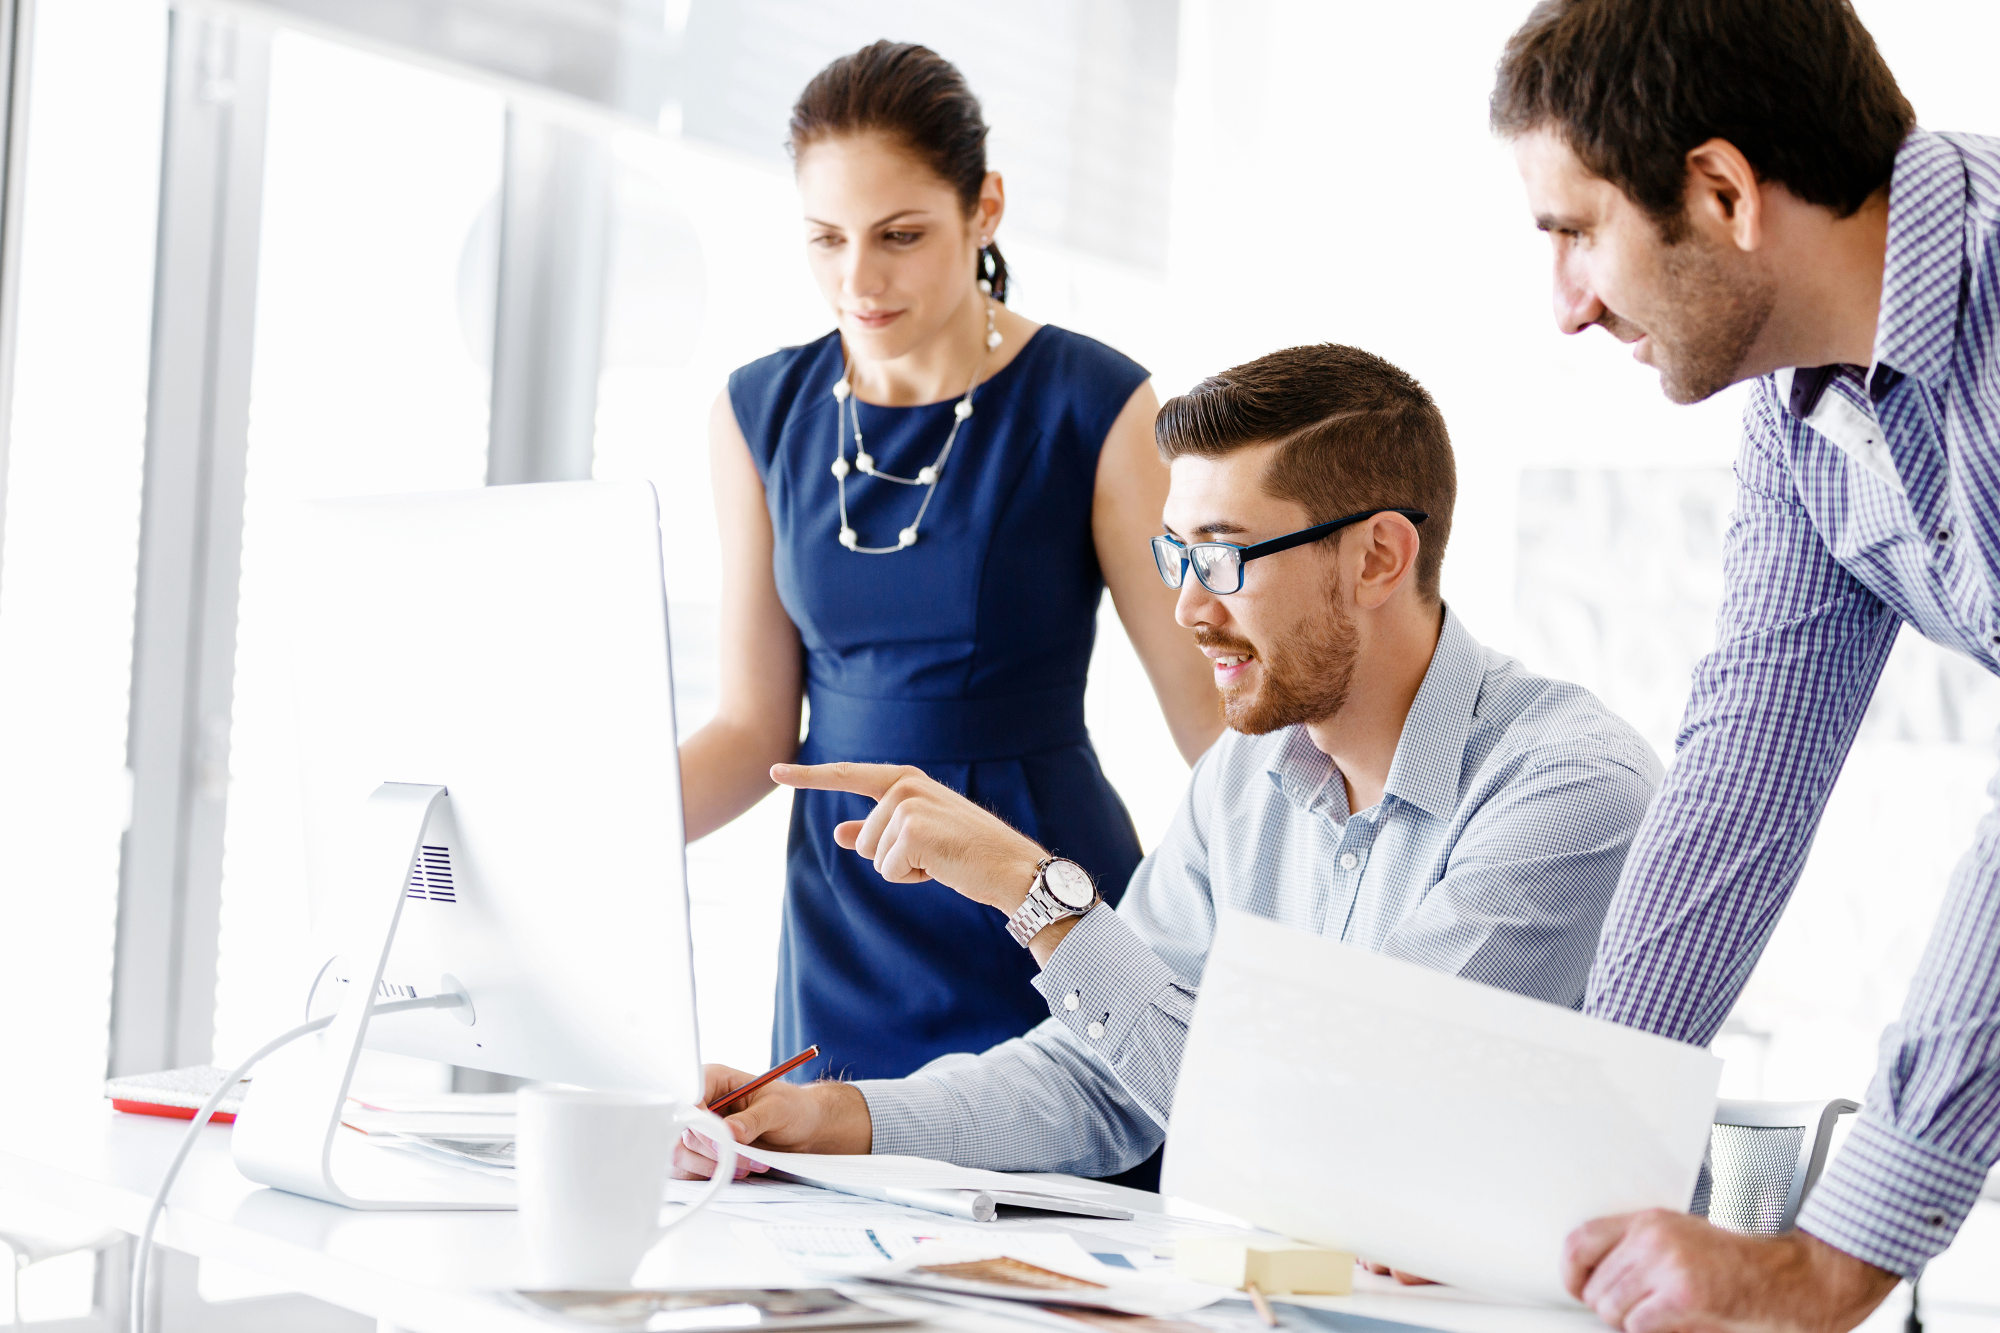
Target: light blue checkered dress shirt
<point x="1866" y="500"/>
<point x="1508" y="810"/>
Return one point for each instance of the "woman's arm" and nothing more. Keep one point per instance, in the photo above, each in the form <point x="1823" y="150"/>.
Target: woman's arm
<point x="726" y="766"/>
<point x="1125" y="517"/>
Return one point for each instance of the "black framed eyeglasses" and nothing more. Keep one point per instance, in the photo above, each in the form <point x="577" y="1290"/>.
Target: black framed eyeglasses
<point x="1219" y="565"/>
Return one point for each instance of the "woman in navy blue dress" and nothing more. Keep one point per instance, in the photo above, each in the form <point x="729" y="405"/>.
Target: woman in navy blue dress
<point x="920" y="512"/>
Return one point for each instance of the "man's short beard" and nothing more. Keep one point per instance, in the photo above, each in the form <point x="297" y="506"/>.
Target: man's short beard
<point x="1305" y="676"/>
<point x="1719" y="311"/>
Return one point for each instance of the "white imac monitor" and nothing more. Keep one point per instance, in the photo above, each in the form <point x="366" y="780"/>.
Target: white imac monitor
<point x="492" y="809"/>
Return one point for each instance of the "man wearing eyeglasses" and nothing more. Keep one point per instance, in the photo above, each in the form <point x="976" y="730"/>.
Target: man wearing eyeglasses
<point x="1385" y="780"/>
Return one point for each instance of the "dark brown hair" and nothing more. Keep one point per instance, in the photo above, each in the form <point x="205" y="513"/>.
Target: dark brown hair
<point x="1632" y="85"/>
<point x="1356" y="433"/>
<point x="914" y="94"/>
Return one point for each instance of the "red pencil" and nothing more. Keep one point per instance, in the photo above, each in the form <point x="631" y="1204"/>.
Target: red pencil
<point x="809" y="1053"/>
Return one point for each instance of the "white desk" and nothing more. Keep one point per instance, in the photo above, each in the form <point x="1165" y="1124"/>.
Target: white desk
<point x="434" y="1272"/>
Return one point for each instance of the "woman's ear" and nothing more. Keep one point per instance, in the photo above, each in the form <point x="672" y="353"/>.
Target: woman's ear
<point x="990" y="207"/>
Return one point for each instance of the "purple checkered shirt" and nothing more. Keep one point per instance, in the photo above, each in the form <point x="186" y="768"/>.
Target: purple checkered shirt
<point x="1866" y="500"/>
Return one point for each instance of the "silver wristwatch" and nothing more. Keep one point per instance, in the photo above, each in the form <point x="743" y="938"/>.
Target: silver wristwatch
<point x="1061" y="888"/>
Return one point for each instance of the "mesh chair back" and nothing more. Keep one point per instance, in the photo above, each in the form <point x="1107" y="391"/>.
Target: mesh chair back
<point x="1753" y="1169"/>
<point x="1764" y="1158"/>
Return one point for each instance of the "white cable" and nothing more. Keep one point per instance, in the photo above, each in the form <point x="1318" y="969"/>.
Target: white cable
<point x="144" y="1251"/>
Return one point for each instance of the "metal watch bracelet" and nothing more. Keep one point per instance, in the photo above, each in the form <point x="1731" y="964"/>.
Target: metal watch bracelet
<point x="1042" y="908"/>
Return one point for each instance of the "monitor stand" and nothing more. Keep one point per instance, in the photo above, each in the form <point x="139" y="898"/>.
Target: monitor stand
<point x="288" y="1133"/>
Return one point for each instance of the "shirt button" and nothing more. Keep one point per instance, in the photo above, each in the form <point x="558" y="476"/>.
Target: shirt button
<point x="1936" y="1219"/>
<point x="1348" y="860"/>
<point x="1944" y="536"/>
<point x="1096" y="1031"/>
<point x="1070" y="1001"/>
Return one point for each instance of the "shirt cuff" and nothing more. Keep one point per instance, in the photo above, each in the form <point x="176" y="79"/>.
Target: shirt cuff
<point x="1107" y="987"/>
<point x="1101" y="978"/>
<point x="1891" y="1200"/>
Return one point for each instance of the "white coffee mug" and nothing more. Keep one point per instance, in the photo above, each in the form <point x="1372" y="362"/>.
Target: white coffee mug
<point x="592" y="1171"/>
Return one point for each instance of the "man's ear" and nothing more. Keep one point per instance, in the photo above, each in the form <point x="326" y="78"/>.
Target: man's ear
<point x="1386" y="547"/>
<point x="1724" y="194"/>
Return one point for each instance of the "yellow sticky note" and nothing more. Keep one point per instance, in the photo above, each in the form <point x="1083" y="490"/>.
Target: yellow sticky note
<point x="1278" y="1267"/>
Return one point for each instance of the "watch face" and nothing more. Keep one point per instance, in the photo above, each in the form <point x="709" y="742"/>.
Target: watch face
<point x="1068" y="882"/>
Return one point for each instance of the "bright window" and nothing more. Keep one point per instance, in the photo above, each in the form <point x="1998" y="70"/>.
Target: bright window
<point x="67" y="570"/>
<point x="367" y="379"/>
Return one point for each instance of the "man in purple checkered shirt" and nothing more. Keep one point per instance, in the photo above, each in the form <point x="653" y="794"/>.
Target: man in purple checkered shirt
<point x="1737" y="189"/>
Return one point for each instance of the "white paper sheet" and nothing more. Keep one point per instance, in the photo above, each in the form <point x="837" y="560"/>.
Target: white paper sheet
<point x="864" y="1230"/>
<point x="839" y="1210"/>
<point x="838" y="1251"/>
<point x="757" y="1193"/>
<point x="1124" y="1290"/>
<point x="888" y="1171"/>
<point x="1425" y="1121"/>
<point x="1147" y="1233"/>
<point x="957" y="1191"/>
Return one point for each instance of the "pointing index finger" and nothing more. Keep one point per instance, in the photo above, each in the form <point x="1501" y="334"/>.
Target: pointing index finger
<point x="870" y="780"/>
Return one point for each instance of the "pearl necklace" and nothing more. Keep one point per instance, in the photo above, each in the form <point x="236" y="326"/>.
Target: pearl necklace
<point x="846" y="407"/>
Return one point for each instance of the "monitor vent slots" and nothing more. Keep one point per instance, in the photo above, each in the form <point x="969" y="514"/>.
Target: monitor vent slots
<point x="430" y="877"/>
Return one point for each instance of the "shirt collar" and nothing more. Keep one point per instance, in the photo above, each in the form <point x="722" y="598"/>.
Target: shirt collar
<point x="1921" y="270"/>
<point x="1301" y="771"/>
<point x="1430" y="754"/>
<point x="1924" y="265"/>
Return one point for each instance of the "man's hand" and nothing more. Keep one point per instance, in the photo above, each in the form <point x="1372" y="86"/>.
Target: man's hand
<point x="921" y="829"/>
<point x="1659" y="1271"/>
<point x="790" y="1117"/>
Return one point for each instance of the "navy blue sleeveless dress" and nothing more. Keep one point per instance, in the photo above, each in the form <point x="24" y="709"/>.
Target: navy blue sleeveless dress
<point x="964" y="654"/>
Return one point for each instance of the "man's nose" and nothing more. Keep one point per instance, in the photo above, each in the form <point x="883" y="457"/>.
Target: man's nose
<point x="1577" y="306"/>
<point x="1197" y="605"/>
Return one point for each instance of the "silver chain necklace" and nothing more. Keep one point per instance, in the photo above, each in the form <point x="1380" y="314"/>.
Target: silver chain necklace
<point x="848" y="412"/>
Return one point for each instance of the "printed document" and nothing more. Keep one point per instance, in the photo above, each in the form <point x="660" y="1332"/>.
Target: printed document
<point x="1447" y="1128"/>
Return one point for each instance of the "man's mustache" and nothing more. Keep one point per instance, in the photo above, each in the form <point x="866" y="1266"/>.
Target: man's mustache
<point x="1208" y="638"/>
<point x="1624" y="330"/>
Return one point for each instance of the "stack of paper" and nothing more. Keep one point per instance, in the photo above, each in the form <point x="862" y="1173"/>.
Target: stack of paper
<point x="477" y="1130"/>
<point x="978" y="1263"/>
<point x="1070" y="1279"/>
<point x="919" y="1182"/>
<point x="467" y="1129"/>
<point x="486" y="1117"/>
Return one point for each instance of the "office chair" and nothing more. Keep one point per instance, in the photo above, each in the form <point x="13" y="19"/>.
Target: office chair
<point x="1764" y="1157"/>
<point x="30" y="1231"/>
